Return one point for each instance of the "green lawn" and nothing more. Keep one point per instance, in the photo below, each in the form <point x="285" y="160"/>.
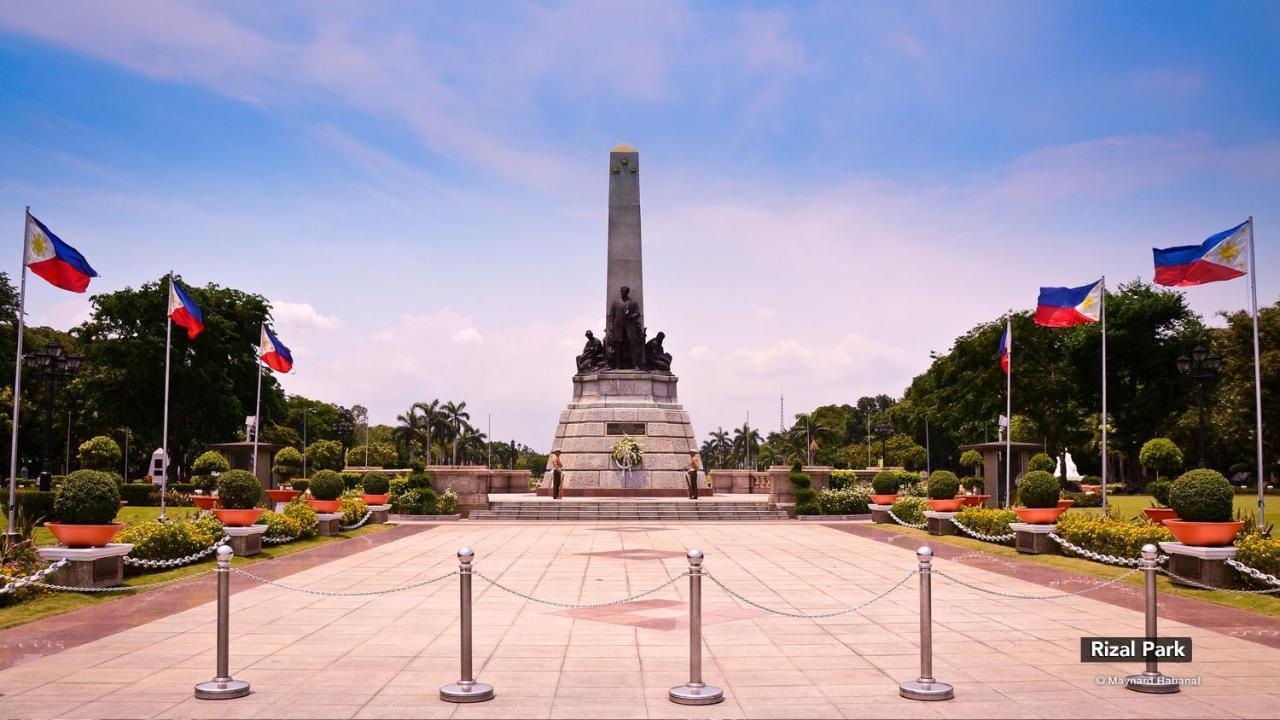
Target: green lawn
<point x="1131" y="505"/>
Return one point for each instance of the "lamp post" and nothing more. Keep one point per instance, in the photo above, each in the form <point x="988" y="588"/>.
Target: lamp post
<point x="1202" y="367"/>
<point x="51" y="365"/>
<point x="883" y="430"/>
<point x="305" y="412"/>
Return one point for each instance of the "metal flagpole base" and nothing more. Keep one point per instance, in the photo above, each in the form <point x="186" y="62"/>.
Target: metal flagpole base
<point x="226" y="689"/>
<point x="695" y="694"/>
<point x="1153" y="683"/>
<point x="466" y="692"/>
<point x="922" y="689"/>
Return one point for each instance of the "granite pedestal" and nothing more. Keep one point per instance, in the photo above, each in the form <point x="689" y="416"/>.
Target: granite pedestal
<point x="379" y="514"/>
<point x="939" y="523"/>
<point x="328" y="523"/>
<point x="880" y="514"/>
<point x="1204" y="565"/>
<point x="246" y="540"/>
<point x="1033" y="539"/>
<point x="98" y="567"/>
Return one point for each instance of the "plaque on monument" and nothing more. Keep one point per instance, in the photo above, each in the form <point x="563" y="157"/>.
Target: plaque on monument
<point x="624" y="385"/>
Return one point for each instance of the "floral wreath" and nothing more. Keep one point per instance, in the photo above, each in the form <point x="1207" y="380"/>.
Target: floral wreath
<point x="627" y="452"/>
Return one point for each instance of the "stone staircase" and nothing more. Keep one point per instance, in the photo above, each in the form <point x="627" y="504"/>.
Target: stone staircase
<point x="675" y="510"/>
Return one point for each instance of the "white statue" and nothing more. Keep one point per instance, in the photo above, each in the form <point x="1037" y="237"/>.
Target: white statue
<point x="1072" y="473"/>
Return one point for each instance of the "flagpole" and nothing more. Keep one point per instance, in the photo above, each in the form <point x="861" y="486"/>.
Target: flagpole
<point x="1008" y="413"/>
<point x="257" y="408"/>
<point x="11" y="529"/>
<point x="164" y="432"/>
<point x="1104" y="395"/>
<point x="1257" y="376"/>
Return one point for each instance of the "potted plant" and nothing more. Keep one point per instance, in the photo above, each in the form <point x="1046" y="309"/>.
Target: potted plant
<point x="377" y="488"/>
<point x="1160" y="510"/>
<point x="326" y="488"/>
<point x="287" y="465"/>
<point x="1204" y="502"/>
<point x="973" y="495"/>
<point x="1090" y="485"/>
<point x="204" y="502"/>
<point x="1038" y="493"/>
<point x="238" y="495"/>
<point x="942" y="488"/>
<point x="884" y="487"/>
<point x="84" y="508"/>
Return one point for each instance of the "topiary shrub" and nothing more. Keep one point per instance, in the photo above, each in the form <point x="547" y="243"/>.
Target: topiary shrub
<point x="1202" y="496"/>
<point x="1161" y="455"/>
<point x="204" y="483"/>
<point x="300" y="484"/>
<point x="971" y="460"/>
<point x="287" y="464"/>
<point x="210" y="462"/>
<point x="885" y="482"/>
<point x="974" y="484"/>
<point x="327" y="485"/>
<point x="238" y="490"/>
<point x="1041" y="462"/>
<point x="1159" y="490"/>
<point x="99" y="453"/>
<point x="909" y="509"/>
<point x="802" y="487"/>
<point x="1039" y="489"/>
<point x="87" y="497"/>
<point x="376" y="483"/>
<point x="943" y="485"/>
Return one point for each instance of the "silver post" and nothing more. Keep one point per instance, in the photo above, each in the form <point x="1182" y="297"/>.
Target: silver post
<point x="926" y="687"/>
<point x="466" y="690"/>
<point x="1151" y="680"/>
<point x="695" y="692"/>
<point x="223" y="686"/>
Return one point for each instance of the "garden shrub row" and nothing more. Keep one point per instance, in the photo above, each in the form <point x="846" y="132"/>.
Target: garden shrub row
<point x="988" y="521"/>
<point x="1111" y="536"/>
<point x="843" y="502"/>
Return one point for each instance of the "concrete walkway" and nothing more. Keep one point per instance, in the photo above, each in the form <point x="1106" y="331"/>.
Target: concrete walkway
<point x="313" y="656"/>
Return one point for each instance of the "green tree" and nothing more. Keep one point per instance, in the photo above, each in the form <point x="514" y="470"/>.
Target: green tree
<point x="99" y="453"/>
<point x="1160" y="455"/>
<point x="324" y="455"/>
<point x="456" y="418"/>
<point x="379" y="455"/>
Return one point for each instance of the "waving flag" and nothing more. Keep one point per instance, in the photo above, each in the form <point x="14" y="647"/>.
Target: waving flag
<point x="1065" y="307"/>
<point x="1006" y="349"/>
<point x="50" y="258"/>
<point x="274" y="353"/>
<point x="1222" y="257"/>
<point x="183" y="311"/>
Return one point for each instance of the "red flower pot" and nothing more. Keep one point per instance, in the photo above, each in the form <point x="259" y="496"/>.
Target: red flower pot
<point x="974" y="500"/>
<point x="1158" y="515"/>
<point x="205" y="502"/>
<point x="283" y="496"/>
<point x="951" y="505"/>
<point x="1064" y="504"/>
<point x="1038" y="516"/>
<point x="84" y="536"/>
<point x="884" y="499"/>
<point x="1204" y="534"/>
<point x="325" y="506"/>
<point x="375" y="499"/>
<point x="1091" y="489"/>
<point x="238" y="518"/>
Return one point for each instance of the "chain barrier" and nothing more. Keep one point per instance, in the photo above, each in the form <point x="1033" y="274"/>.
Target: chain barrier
<point x="177" y="562"/>
<point x="367" y="514"/>
<point x="1252" y="572"/>
<point x="122" y="588"/>
<point x="577" y="606"/>
<point x="902" y="522"/>
<point x="1022" y="596"/>
<point x="983" y="536"/>
<point x="810" y="616"/>
<point x="345" y="593"/>
<point x="1202" y="586"/>
<point x="278" y="540"/>
<point x="15" y="584"/>
<point x="1101" y="557"/>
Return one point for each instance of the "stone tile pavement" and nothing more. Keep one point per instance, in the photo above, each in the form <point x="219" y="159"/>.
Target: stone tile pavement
<point x="386" y="656"/>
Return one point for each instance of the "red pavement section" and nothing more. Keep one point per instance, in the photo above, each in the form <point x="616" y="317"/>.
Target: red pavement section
<point x="37" y="639"/>
<point x="1254" y="627"/>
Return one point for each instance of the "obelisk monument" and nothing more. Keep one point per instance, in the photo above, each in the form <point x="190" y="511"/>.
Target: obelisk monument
<point x="624" y="387"/>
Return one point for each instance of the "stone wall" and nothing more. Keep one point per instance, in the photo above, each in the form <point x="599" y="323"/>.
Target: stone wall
<point x="740" y="481"/>
<point x="781" y="492"/>
<point x="474" y="483"/>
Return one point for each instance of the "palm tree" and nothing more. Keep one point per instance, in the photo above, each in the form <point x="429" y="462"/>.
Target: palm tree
<point x="410" y="430"/>
<point x="720" y="446"/>
<point x="473" y="445"/>
<point x="746" y="444"/>
<point x="432" y="422"/>
<point x="457" y="417"/>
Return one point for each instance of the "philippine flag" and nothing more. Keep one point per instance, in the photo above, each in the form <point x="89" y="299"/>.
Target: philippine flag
<point x="1221" y="257"/>
<point x="1064" y="306"/>
<point x="184" y="311"/>
<point x="274" y="353"/>
<point x="1006" y="349"/>
<point x="54" y="260"/>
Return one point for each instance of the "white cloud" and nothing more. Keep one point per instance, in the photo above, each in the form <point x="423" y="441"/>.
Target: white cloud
<point x="467" y="336"/>
<point x="301" y="315"/>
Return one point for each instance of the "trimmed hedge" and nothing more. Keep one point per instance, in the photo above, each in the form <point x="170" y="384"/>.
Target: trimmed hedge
<point x="1039" y="489"/>
<point x="34" y="504"/>
<point x="1202" y="496"/>
<point x="87" y="497"/>
<point x="1041" y="462"/>
<point x="210" y="462"/>
<point x="943" y="485"/>
<point x="806" y="498"/>
<point x="238" y="490"/>
<point x="327" y="485"/>
<point x="376" y="483"/>
<point x="843" y="502"/>
<point x="140" y="495"/>
<point x="885" y="482"/>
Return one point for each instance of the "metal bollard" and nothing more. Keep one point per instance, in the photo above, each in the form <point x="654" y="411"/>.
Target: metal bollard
<point x="466" y="690"/>
<point x="1151" y="680"/>
<point x="926" y="687"/>
<point x="695" y="692"/>
<point x="223" y="686"/>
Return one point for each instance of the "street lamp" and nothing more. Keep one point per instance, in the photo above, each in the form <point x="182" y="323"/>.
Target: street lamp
<point x="305" y="412"/>
<point x="1202" y="367"/>
<point x="51" y="365"/>
<point x="883" y="430"/>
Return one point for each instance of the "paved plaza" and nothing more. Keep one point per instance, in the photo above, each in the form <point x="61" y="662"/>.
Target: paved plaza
<point x="386" y="656"/>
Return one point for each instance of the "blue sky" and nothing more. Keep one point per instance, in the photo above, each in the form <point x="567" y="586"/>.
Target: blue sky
<point x="830" y="190"/>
